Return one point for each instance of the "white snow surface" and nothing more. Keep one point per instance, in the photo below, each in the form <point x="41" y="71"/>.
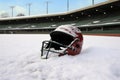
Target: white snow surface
<point x="20" y="59"/>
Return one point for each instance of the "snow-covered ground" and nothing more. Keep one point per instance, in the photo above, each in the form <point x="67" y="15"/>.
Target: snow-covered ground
<point x="20" y="59"/>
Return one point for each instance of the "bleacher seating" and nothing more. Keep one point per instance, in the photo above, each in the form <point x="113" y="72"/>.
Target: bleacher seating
<point x="89" y="21"/>
<point x="95" y="19"/>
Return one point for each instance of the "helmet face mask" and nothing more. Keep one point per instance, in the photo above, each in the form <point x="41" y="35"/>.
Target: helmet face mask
<point x="62" y="43"/>
<point x="52" y="48"/>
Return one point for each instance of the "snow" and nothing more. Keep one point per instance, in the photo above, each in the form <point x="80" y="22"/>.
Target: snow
<point x="20" y="59"/>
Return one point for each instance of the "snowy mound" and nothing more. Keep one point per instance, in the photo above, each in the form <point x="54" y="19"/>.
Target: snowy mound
<point x="20" y="59"/>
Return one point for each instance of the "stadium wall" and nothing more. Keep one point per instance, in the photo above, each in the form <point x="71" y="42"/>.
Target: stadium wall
<point x="100" y="18"/>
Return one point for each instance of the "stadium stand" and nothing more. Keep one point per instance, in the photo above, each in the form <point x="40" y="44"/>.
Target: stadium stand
<point x="100" y="18"/>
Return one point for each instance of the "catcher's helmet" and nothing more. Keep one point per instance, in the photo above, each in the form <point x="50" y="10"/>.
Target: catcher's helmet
<point x="65" y="39"/>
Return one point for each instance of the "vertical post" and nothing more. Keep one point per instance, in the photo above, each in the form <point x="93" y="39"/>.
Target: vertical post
<point x="67" y="5"/>
<point x="93" y="2"/>
<point x="47" y="7"/>
<point x="29" y="9"/>
<point x="12" y="7"/>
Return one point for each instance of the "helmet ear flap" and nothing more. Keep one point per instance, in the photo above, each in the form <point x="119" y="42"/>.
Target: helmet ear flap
<point x="75" y="47"/>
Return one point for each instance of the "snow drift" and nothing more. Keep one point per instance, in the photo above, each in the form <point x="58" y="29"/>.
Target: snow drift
<point x="20" y="59"/>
